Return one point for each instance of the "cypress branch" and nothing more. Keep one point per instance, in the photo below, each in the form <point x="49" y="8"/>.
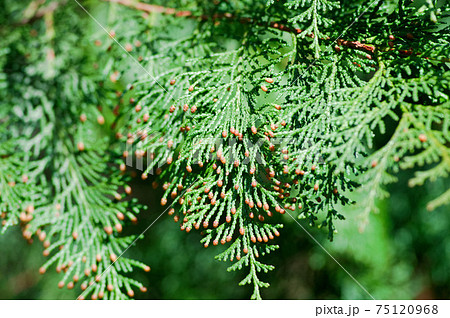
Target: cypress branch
<point x="248" y="119"/>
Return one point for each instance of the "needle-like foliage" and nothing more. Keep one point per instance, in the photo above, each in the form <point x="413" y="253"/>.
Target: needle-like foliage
<point x="249" y="112"/>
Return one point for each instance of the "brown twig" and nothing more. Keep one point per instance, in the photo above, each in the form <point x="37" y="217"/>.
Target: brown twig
<point x="356" y="45"/>
<point x="150" y="8"/>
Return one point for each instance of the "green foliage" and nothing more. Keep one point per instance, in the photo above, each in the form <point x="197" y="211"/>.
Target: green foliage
<point x="245" y="110"/>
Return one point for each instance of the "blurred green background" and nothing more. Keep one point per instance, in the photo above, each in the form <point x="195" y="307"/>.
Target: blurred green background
<point x="403" y="253"/>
